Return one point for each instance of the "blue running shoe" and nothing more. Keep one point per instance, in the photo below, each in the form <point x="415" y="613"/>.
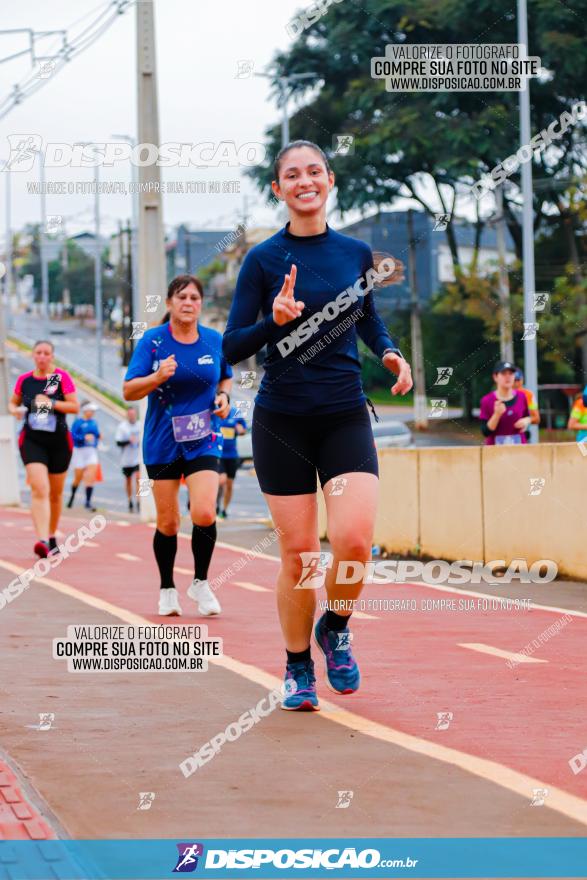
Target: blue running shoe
<point x="300" y="687"/>
<point x="342" y="671"/>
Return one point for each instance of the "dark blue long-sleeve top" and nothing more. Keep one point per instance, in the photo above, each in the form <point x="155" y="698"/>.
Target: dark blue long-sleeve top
<point x="318" y="370"/>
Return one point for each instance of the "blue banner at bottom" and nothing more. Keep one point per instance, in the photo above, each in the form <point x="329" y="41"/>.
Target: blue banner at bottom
<point x="529" y="857"/>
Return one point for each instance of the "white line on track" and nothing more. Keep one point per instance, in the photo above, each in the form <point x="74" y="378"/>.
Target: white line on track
<point x="561" y="801"/>
<point x="254" y="588"/>
<point x="554" y="608"/>
<point x="497" y="652"/>
<point x="128" y="557"/>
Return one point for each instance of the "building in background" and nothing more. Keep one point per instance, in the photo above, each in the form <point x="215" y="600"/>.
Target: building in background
<point x="387" y="232"/>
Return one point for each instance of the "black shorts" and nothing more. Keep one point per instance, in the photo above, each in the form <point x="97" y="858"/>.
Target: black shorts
<point x="52" y="450"/>
<point x="290" y="450"/>
<point x="181" y="467"/>
<point x="130" y="470"/>
<point x="229" y="466"/>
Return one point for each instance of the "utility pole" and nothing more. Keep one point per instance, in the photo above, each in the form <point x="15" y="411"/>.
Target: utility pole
<point x="151" y="247"/>
<point x="135" y="306"/>
<point x="9" y="285"/>
<point x="9" y="492"/>
<point x="125" y="269"/>
<point x="420" y="405"/>
<point x="64" y="268"/>
<point x="506" y="345"/>
<point x="43" y="246"/>
<point x="98" y="277"/>
<point x="530" y="355"/>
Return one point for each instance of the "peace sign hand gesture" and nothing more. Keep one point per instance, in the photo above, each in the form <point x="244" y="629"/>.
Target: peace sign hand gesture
<point x="285" y="307"/>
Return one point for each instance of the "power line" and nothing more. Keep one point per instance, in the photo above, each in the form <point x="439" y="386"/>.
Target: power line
<point x="69" y="50"/>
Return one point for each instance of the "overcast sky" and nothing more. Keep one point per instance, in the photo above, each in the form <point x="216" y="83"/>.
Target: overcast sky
<point x="201" y="98"/>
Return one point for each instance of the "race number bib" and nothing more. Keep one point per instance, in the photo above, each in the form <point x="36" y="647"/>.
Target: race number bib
<point x="41" y="421"/>
<point x="508" y="440"/>
<point x="228" y="433"/>
<point x="194" y="427"/>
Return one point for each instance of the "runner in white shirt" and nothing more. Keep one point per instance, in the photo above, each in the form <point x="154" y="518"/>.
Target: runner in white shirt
<point x="128" y="436"/>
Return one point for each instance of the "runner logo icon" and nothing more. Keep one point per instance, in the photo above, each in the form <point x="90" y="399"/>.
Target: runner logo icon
<point x="314" y="565"/>
<point x="205" y="359"/>
<point x="187" y="860"/>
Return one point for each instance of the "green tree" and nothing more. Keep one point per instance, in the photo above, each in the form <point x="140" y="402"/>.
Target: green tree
<point x="432" y="146"/>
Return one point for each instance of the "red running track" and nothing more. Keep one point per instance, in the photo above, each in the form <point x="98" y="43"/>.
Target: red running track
<point x="530" y="718"/>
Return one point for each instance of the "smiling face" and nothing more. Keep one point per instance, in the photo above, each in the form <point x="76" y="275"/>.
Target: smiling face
<point x="185" y="305"/>
<point x="504" y="381"/>
<point x="43" y="357"/>
<point x="304" y="182"/>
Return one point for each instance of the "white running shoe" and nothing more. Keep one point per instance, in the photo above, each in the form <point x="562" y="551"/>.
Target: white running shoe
<point x="201" y="593"/>
<point x="169" y="603"/>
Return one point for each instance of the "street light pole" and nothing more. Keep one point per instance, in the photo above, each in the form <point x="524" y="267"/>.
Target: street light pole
<point x="420" y="407"/>
<point x="530" y="355"/>
<point x="505" y="319"/>
<point x="283" y="83"/>
<point x="284" y="113"/>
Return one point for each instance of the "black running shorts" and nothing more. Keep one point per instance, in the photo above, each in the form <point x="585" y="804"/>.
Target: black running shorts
<point x="129" y="470"/>
<point x="181" y="467"/>
<point x="229" y="466"/>
<point x="289" y="451"/>
<point x="54" y="450"/>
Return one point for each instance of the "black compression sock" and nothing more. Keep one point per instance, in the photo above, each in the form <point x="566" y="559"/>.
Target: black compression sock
<point x="335" y="622"/>
<point x="203" y="542"/>
<point x="165" y="549"/>
<point x="52" y="543"/>
<point x="89" y="490"/>
<point x="298" y="656"/>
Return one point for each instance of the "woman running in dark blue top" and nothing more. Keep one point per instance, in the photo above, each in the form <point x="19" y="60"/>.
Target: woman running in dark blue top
<point x="310" y="418"/>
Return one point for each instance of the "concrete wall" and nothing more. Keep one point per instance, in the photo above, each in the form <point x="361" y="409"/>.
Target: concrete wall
<point x="476" y="503"/>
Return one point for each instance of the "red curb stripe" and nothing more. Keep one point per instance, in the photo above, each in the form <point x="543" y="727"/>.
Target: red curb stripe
<point x="18" y="818"/>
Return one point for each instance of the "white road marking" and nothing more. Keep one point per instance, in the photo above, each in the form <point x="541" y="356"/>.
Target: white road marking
<point x="497" y="652"/>
<point x="561" y="801"/>
<point x="254" y="588"/>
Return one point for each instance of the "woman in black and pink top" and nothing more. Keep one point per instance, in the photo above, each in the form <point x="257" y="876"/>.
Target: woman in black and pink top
<point x="43" y="397"/>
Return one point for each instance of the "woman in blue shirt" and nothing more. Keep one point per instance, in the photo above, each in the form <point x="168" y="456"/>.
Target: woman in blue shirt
<point x="310" y="419"/>
<point x="86" y="436"/>
<point x="179" y="366"/>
